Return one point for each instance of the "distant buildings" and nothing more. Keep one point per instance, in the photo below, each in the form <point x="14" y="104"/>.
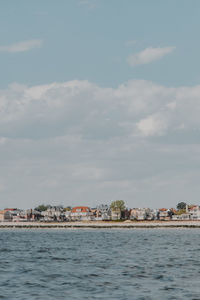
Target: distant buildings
<point x="100" y="213"/>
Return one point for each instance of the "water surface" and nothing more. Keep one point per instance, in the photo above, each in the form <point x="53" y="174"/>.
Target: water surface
<point x="100" y="264"/>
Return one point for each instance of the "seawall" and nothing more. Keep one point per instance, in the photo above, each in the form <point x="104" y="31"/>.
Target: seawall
<point x="141" y="224"/>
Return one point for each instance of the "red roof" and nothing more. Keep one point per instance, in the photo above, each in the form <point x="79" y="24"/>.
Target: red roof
<point x="80" y="209"/>
<point x="162" y="209"/>
<point x="193" y="206"/>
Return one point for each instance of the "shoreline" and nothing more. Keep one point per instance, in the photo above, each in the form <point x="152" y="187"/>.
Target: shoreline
<point x="102" y="225"/>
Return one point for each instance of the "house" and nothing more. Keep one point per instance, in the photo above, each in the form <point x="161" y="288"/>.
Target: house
<point x="93" y="210"/>
<point x="116" y="214"/>
<point x="125" y="214"/>
<point x="33" y="215"/>
<point x="194" y="212"/>
<point x="67" y="215"/>
<point x="81" y="213"/>
<point x="133" y="214"/>
<point x="16" y="214"/>
<point x="185" y="216"/>
<point x="165" y="214"/>
<point x="142" y="214"/>
<point x="103" y="212"/>
<point x="53" y="213"/>
<point x="5" y="216"/>
<point x="152" y="214"/>
<point x="19" y="215"/>
<point x="176" y="217"/>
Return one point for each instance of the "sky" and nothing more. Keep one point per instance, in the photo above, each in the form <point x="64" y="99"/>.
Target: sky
<point x="99" y="101"/>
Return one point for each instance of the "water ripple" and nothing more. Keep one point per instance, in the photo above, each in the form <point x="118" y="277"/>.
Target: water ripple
<point x="100" y="264"/>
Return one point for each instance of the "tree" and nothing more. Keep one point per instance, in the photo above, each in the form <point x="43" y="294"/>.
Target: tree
<point x="181" y="205"/>
<point x="68" y="208"/>
<point x="118" y="204"/>
<point x="41" y="207"/>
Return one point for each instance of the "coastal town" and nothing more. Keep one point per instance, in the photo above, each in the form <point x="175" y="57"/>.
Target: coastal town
<point x="116" y="211"/>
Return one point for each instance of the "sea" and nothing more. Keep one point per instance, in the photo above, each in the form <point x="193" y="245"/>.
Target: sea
<point x="100" y="264"/>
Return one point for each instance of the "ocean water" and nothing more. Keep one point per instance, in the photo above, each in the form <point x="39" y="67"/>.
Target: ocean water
<point x="100" y="264"/>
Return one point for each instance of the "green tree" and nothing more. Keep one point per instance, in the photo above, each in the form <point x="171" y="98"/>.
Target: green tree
<point x="180" y="212"/>
<point x="68" y="208"/>
<point x="118" y="204"/>
<point x="181" y="205"/>
<point x="41" y="207"/>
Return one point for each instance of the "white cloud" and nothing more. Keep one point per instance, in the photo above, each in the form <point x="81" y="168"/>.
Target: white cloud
<point x="78" y="143"/>
<point x="148" y="55"/>
<point x="152" y="125"/>
<point x="81" y="108"/>
<point x="21" y="46"/>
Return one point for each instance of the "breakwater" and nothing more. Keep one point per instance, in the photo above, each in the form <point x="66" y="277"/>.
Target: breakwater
<point x="143" y="224"/>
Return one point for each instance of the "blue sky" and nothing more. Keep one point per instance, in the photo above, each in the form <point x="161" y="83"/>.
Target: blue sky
<point x="99" y="100"/>
<point x="92" y="40"/>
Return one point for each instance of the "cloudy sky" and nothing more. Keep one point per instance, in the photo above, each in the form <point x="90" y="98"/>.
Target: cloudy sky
<point x="99" y="101"/>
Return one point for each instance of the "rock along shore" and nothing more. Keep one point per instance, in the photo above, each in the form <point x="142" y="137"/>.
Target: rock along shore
<point x="93" y="224"/>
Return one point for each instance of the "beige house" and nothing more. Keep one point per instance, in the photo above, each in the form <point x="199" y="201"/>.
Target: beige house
<point x="5" y="216"/>
<point x="139" y="214"/>
<point x="116" y="214"/>
<point x="194" y="212"/>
